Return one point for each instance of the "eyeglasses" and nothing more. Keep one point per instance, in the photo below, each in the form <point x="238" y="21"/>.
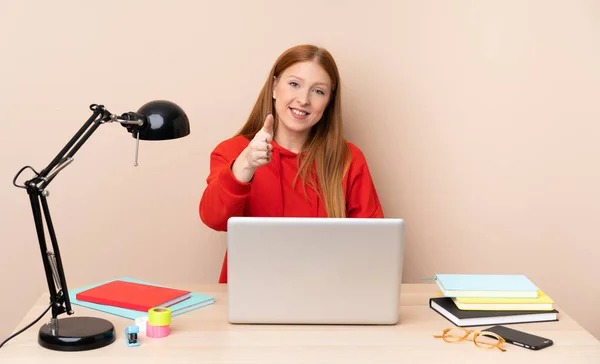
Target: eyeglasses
<point x="482" y="339"/>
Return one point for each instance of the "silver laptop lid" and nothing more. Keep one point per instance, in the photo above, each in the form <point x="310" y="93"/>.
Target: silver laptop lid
<point x="314" y="270"/>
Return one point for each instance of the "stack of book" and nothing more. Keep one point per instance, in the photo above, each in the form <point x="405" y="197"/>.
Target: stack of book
<point x="491" y="299"/>
<point x="132" y="298"/>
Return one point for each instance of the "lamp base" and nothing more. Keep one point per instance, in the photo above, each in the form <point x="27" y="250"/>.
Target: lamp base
<point x="77" y="334"/>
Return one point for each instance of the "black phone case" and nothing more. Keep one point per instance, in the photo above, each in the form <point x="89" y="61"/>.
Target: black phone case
<point x="521" y="338"/>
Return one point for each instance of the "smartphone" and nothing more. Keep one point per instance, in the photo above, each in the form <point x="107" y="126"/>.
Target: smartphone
<point x="521" y="338"/>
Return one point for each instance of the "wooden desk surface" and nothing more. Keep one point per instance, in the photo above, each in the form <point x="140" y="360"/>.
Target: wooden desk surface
<point x="205" y="336"/>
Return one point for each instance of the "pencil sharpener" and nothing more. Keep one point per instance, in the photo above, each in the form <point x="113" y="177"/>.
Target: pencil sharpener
<point x="131" y="335"/>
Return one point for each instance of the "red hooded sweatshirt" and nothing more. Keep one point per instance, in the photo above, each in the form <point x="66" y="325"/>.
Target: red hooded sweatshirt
<point x="271" y="192"/>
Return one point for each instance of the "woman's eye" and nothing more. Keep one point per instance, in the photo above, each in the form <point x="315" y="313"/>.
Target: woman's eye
<point x="320" y="92"/>
<point x="293" y="84"/>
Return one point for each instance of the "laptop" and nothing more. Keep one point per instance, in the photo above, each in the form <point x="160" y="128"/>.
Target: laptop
<point x="294" y="270"/>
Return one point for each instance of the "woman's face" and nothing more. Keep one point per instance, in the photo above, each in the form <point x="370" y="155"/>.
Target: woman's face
<point x="301" y="95"/>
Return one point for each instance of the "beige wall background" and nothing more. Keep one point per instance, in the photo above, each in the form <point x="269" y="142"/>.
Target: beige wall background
<point x="479" y="119"/>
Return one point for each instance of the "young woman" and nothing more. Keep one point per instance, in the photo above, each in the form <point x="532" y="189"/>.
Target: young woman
<point x="290" y="159"/>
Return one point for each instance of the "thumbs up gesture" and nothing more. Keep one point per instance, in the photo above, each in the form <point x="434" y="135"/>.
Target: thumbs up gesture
<point x="259" y="149"/>
<point x="257" y="153"/>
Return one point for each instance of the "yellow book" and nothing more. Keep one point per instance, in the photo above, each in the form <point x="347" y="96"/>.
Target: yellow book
<point x="541" y="303"/>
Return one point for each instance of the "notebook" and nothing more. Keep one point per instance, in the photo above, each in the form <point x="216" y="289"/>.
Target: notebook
<point x="446" y="307"/>
<point x="542" y="303"/>
<point x="133" y="295"/>
<point x="486" y="285"/>
<point x="196" y="300"/>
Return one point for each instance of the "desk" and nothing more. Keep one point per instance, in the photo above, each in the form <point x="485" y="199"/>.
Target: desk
<point x="205" y="336"/>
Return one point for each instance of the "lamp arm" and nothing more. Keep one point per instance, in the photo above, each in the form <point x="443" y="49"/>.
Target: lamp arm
<point x="100" y="116"/>
<point x="98" y="110"/>
<point x="36" y="189"/>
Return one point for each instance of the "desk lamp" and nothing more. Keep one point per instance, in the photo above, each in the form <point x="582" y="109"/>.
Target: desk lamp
<point x="156" y="120"/>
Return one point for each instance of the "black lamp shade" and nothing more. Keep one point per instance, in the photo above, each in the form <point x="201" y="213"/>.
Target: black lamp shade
<point x="164" y="120"/>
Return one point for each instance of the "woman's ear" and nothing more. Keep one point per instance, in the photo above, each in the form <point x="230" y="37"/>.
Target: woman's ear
<point x="274" y="86"/>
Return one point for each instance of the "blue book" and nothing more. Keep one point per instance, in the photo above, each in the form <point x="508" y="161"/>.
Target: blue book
<point x="486" y="285"/>
<point x="196" y="301"/>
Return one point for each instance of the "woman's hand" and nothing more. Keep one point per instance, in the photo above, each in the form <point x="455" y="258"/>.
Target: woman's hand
<point x="256" y="154"/>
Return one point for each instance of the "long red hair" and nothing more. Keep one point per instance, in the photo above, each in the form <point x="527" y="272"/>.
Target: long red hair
<point x="325" y="156"/>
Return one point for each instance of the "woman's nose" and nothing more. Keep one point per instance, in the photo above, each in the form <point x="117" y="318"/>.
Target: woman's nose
<point x="303" y="98"/>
